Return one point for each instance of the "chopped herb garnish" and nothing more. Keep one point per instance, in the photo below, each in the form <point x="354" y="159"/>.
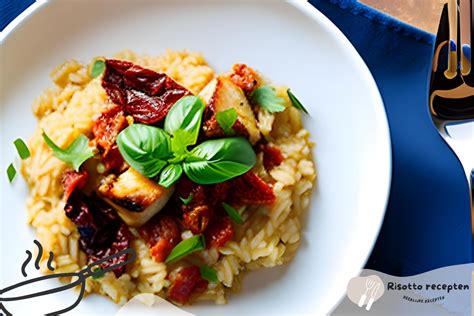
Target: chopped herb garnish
<point x="11" y="172"/>
<point x="98" y="273"/>
<point x="187" y="200"/>
<point x="97" y="68"/>
<point x="186" y="247"/>
<point x="226" y="119"/>
<point x="233" y="213"/>
<point x="295" y="102"/>
<point x="267" y="98"/>
<point x="208" y="273"/>
<point x="75" y="155"/>
<point x="21" y="148"/>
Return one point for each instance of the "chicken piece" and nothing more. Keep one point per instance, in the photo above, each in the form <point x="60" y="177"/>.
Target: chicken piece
<point x="135" y="197"/>
<point x="221" y="94"/>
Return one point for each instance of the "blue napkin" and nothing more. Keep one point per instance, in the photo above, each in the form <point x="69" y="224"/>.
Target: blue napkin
<point x="427" y="224"/>
<point x="9" y="9"/>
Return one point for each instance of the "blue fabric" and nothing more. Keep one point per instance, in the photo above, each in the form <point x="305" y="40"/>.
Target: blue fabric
<point x="427" y="224"/>
<point x="9" y="9"/>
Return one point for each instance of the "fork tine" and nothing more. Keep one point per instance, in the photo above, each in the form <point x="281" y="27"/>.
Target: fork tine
<point x="469" y="77"/>
<point x="465" y="35"/>
<point x="453" y="56"/>
<point x="451" y="72"/>
<point x="442" y="38"/>
<point x="439" y="81"/>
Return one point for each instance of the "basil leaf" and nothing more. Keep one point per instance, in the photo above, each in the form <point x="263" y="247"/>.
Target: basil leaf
<point x="295" y="102"/>
<point x="145" y="148"/>
<point x="184" y="121"/>
<point x="21" y="148"/>
<point x="208" y="273"/>
<point x="170" y="175"/>
<point x="11" y="172"/>
<point x="219" y="160"/>
<point x="186" y="247"/>
<point x="226" y="119"/>
<point x="75" y="155"/>
<point x="233" y="213"/>
<point x="179" y="142"/>
<point x="267" y="98"/>
<point x="187" y="200"/>
<point x="97" y="68"/>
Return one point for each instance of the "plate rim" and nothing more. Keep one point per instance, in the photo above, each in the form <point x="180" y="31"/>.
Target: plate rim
<point x="357" y="59"/>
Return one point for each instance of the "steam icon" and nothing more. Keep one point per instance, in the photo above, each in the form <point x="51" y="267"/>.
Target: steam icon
<point x="38" y="258"/>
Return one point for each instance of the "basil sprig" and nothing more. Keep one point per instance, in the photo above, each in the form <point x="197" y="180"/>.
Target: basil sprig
<point x="208" y="273"/>
<point x="22" y="148"/>
<point x="152" y="150"/>
<point x="11" y="172"/>
<point x="235" y="215"/>
<point x="267" y="98"/>
<point x="75" y="155"/>
<point x="183" y="123"/>
<point x="145" y="148"/>
<point x="219" y="160"/>
<point x="186" y="247"/>
<point x="97" y="68"/>
<point x="187" y="200"/>
<point x="295" y="102"/>
<point x="170" y="175"/>
<point x="226" y="119"/>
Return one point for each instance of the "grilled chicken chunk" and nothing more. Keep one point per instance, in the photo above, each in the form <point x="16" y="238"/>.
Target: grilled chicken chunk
<point x="135" y="197"/>
<point x="221" y="94"/>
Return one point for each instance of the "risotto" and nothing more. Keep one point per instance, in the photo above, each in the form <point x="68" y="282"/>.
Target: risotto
<point x="204" y="175"/>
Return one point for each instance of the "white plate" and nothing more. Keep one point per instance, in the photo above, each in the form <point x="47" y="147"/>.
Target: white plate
<point x="291" y="43"/>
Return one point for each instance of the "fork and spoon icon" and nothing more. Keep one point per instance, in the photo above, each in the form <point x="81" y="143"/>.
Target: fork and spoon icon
<point x="373" y="286"/>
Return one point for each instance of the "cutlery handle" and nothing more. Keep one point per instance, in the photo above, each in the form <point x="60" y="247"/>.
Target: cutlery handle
<point x="362" y="300"/>
<point x="369" y="304"/>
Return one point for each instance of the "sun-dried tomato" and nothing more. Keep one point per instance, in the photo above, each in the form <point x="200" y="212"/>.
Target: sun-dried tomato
<point x="196" y="214"/>
<point x="184" y="283"/>
<point x="102" y="232"/>
<point x="120" y="242"/>
<point x="161" y="250"/>
<point x="184" y="186"/>
<point x="244" y="77"/>
<point x="219" y="232"/>
<point x="219" y="192"/>
<point x="250" y="189"/>
<point x="113" y="160"/>
<point x="161" y="233"/>
<point x="142" y="93"/>
<point x="272" y="156"/>
<point x="199" y="197"/>
<point x="197" y="219"/>
<point x="107" y="127"/>
<point x="73" y="180"/>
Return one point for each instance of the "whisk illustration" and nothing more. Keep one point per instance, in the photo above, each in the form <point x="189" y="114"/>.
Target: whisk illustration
<point x="28" y="289"/>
